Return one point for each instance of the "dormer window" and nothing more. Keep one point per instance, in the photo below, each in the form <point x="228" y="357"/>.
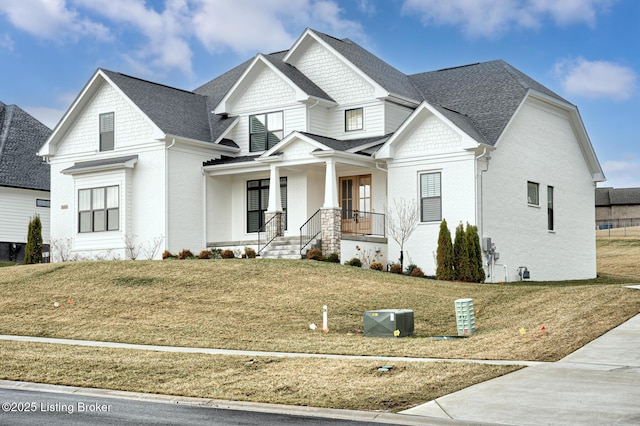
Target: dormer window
<point x="353" y="120"/>
<point x="106" y="132"/>
<point x="265" y="131"/>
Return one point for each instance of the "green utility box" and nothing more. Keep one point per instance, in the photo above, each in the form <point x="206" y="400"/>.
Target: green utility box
<point x="465" y="317"/>
<point x="388" y="323"/>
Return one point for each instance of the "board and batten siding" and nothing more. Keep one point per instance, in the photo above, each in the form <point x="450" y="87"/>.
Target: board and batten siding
<point x="17" y="208"/>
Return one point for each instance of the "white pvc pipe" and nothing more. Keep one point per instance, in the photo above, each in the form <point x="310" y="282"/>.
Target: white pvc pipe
<point x="325" y="326"/>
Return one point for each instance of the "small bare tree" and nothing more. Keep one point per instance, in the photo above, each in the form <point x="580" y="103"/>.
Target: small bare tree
<point x="132" y="249"/>
<point x="402" y="221"/>
<point x="150" y="249"/>
<point x="60" y="249"/>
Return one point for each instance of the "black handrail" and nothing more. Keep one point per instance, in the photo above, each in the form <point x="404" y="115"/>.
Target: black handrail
<point x="310" y="230"/>
<point x="272" y="228"/>
<point x="357" y="222"/>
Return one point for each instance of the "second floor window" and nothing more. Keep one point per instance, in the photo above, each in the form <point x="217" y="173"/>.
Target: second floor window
<point x="106" y="132"/>
<point x="353" y="120"/>
<point x="265" y="131"/>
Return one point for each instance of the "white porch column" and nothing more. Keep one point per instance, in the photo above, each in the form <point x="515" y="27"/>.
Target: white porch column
<point x="330" y="186"/>
<point x="275" y="201"/>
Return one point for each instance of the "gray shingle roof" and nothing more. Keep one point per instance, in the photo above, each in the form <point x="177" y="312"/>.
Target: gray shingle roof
<point x="606" y="197"/>
<point x="344" y="145"/>
<point x="174" y="111"/>
<point x="224" y="159"/>
<point x="394" y="81"/>
<point x="100" y="163"/>
<point x="21" y="137"/>
<point x="481" y="96"/>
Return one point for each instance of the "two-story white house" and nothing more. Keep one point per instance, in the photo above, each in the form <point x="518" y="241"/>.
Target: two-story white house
<point x="314" y="144"/>
<point x="24" y="180"/>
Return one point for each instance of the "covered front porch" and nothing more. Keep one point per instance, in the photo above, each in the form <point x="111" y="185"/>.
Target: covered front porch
<point x="327" y="199"/>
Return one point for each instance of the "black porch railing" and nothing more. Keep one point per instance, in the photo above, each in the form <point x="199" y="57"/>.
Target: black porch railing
<point x="310" y="230"/>
<point x="355" y="222"/>
<point x="270" y="230"/>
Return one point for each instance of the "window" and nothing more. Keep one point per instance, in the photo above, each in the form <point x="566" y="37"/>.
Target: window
<point x="430" y="197"/>
<point x="98" y="209"/>
<point x="106" y="132"/>
<point x="550" y="208"/>
<point x="258" y="201"/>
<point x="265" y="131"/>
<point x="532" y="193"/>
<point x="353" y="120"/>
<point x="43" y="203"/>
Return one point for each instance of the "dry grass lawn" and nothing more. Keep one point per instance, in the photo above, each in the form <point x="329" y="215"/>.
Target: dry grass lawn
<point x="268" y="305"/>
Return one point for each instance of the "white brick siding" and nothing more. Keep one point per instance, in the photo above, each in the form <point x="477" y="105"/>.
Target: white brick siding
<point x="540" y="146"/>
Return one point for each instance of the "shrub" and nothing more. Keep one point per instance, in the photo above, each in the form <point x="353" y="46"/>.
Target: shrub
<point x="227" y="254"/>
<point x="395" y="268"/>
<point x="314" y="254"/>
<point x="215" y="253"/>
<point x="33" y="249"/>
<point x="185" y="254"/>
<point x="377" y="266"/>
<point x="417" y="272"/>
<point x="475" y="253"/>
<point x="168" y="255"/>
<point x="249" y="253"/>
<point x="355" y="262"/>
<point x="444" y="254"/>
<point x="462" y="261"/>
<point x="333" y="258"/>
<point x="410" y="268"/>
<point x="205" y="254"/>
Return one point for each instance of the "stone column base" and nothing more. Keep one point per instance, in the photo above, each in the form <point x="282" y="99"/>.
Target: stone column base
<point x="331" y="230"/>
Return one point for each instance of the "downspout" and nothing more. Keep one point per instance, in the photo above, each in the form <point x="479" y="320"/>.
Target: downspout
<point x="309" y="115"/>
<point x="479" y="197"/>
<point x="166" y="195"/>
<point x="204" y="208"/>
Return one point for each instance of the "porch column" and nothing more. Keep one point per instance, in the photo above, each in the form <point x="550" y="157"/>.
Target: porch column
<point x="330" y="186"/>
<point x="276" y="227"/>
<point x="275" y="202"/>
<point x="330" y="212"/>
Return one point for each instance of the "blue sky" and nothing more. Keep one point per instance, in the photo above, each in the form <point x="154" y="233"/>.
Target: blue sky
<point x="585" y="50"/>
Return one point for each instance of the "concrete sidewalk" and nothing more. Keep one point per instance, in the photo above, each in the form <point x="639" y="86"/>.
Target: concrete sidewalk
<point x="598" y="384"/>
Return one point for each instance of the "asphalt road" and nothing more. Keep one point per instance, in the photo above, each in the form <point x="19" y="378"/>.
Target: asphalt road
<point x="44" y="408"/>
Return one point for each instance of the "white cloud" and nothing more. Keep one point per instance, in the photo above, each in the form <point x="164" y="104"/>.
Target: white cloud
<point x="596" y="79"/>
<point x="266" y="25"/>
<point x="6" y="42"/>
<point x="491" y="18"/>
<point x="47" y="116"/>
<point x="169" y="28"/>
<point x="51" y="19"/>
<point x="622" y="173"/>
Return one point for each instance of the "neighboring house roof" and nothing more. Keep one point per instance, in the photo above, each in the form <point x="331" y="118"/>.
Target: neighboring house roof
<point x="606" y="197"/>
<point x="480" y="97"/>
<point x="21" y="136"/>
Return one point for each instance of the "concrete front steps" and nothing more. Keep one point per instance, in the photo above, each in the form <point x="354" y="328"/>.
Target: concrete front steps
<point x="282" y="248"/>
